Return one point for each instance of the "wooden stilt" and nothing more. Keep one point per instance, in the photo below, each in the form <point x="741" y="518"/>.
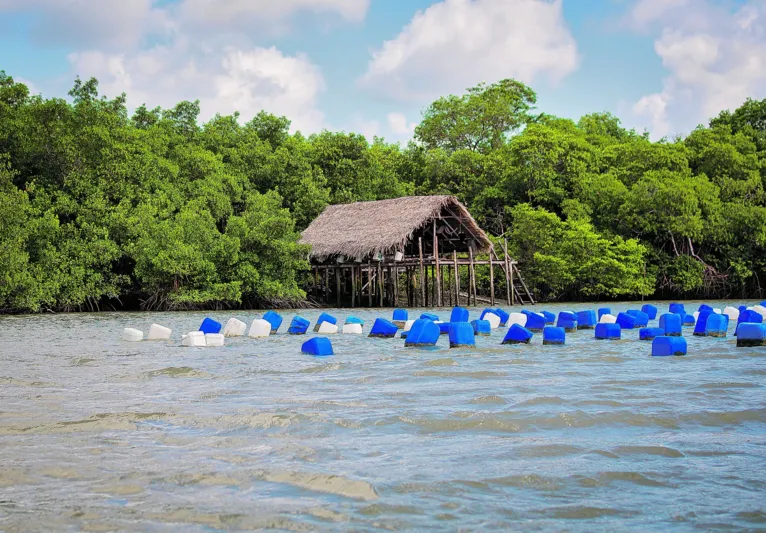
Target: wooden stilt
<point x="396" y="286"/>
<point x="508" y="280"/>
<point x="491" y="282"/>
<point x="472" y="277"/>
<point x="337" y="286"/>
<point x="369" y="283"/>
<point x="380" y="284"/>
<point x="437" y="284"/>
<point x="327" y="284"/>
<point x="422" y="276"/>
<point x="449" y="286"/>
<point x="457" y="279"/>
<point x="316" y="283"/>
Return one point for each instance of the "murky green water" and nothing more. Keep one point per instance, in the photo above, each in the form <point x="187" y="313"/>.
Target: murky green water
<point x="102" y="435"/>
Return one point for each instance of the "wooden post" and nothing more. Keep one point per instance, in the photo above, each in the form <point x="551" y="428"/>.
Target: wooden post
<point x="337" y="285"/>
<point x="380" y="284"/>
<point x="369" y="283"/>
<point x="316" y="283"/>
<point x="422" y="276"/>
<point x="457" y="279"/>
<point x="437" y="284"/>
<point x="508" y="275"/>
<point x="353" y="286"/>
<point x="449" y="285"/>
<point x="472" y="277"/>
<point x="360" y="283"/>
<point x="327" y="284"/>
<point x="491" y="282"/>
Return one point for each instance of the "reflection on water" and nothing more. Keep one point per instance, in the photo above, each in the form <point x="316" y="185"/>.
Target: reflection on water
<point x="101" y="435"/>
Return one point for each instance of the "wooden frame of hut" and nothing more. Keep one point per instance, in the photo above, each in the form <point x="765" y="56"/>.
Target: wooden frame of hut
<point x="411" y="250"/>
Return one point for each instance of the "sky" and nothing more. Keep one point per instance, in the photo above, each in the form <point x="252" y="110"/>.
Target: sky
<point x="373" y="66"/>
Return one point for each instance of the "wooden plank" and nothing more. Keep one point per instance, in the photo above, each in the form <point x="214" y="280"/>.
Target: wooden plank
<point x="457" y="278"/>
<point x="491" y="284"/>
<point x="437" y="284"/>
<point x="380" y="284"/>
<point x="422" y="276"/>
<point x="472" y="277"/>
<point x="353" y="287"/>
<point x="369" y="283"/>
<point x="508" y="275"/>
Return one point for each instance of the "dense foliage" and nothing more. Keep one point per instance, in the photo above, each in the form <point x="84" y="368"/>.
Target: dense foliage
<point x="154" y="210"/>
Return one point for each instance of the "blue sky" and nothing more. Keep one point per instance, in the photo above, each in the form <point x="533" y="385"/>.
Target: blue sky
<point x="372" y="65"/>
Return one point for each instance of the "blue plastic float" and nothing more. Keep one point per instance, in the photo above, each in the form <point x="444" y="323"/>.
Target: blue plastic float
<point x="554" y="335"/>
<point x="430" y="316"/>
<point x="641" y="318"/>
<point x="748" y="316"/>
<point x="383" y="329"/>
<point x="443" y="328"/>
<point x="699" y="327"/>
<point x="424" y="332"/>
<point x="649" y="334"/>
<point x="354" y="320"/>
<point x="688" y="320"/>
<point x="273" y="318"/>
<point x="751" y="334"/>
<point x="298" y="326"/>
<point x="608" y="331"/>
<point x="535" y="322"/>
<point x="210" y="326"/>
<point x="568" y="321"/>
<point x="677" y="308"/>
<point x="650" y="310"/>
<point x="481" y="327"/>
<point x="666" y="346"/>
<point x="326" y="317"/>
<point x="517" y="335"/>
<point x="717" y="325"/>
<point x="459" y="314"/>
<point x="401" y="314"/>
<point x="550" y="318"/>
<point x="318" y="346"/>
<point x="603" y="311"/>
<point x="626" y="321"/>
<point x="461" y="335"/>
<point x="672" y="325"/>
<point x="586" y="319"/>
<point x="503" y="316"/>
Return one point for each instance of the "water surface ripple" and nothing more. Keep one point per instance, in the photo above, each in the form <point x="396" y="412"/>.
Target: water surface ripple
<point x="101" y="435"/>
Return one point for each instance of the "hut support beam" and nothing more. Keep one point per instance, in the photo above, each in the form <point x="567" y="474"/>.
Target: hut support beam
<point x="437" y="284"/>
<point x="457" y="279"/>
<point x="491" y="284"/>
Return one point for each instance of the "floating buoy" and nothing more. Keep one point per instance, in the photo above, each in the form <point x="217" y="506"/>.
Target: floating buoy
<point x="503" y="316"/>
<point x="158" y="333"/>
<point x="325" y="328"/>
<point x="554" y="335"/>
<point x="214" y="339"/>
<point x="318" y="346"/>
<point x="517" y="335"/>
<point x="352" y="329"/>
<point x="461" y="335"/>
<point x="517" y="318"/>
<point x="603" y="311"/>
<point x="671" y="324"/>
<point x="354" y="320"/>
<point x="641" y="318"/>
<point x="666" y="346"/>
<point x="383" y="329"/>
<point x="717" y="325"/>
<point x="298" y="326"/>
<point x="705" y="308"/>
<point x="649" y="334"/>
<point x="535" y="322"/>
<point x="459" y="314"/>
<point x="210" y="326"/>
<point x="677" y="308"/>
<point x="481" y="327"/>
<point x="749" y="317"/>
<point x="273" y="318"/>
<point x="550" y="318"/>
<point x="443" y="327"/>
<point x="761" y="310"/>
<point x="701" y="323"/>
<point x="430" y="316"/>
<point x="194" y="339"/>
<point x="732" y="313"/>
<point x="260" y="328"/>
<point x="689" y="320"/>
<point x="324" y="317"/>
<point x="607" y="319"/>
<point x="132" y="335"/>
<point x="650" y="310"/>
<point x="400" y="317"/>
<point x="751" y="334"/>
<point x="234" y="328"/>
<point x="424" y="332"/>
<point x="626" y="321"/>
<point x="567" y="321"/>
<point x="608" y="331"/>
<point x="586" y="319"/>
<point x="492" y="318"/>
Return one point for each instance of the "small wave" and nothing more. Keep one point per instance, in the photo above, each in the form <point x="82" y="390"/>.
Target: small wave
<point x="754" y="517"/>
<point x="648" y="450"/>
<point x="607" y="478"/>
<point x="583" y="512"/>
<point x="542" y="400"/>
<point x="728" y="385"/>
<point x="326" y="483"/>
<point x="497" y="400"/>
<point x="177" y="372"/>
<point x="550" y="450"/>
<point x="332" y="367"/>
<point x="531" y="481"/>
<point x="442" y="362"/>
<point x="482" y="374"/>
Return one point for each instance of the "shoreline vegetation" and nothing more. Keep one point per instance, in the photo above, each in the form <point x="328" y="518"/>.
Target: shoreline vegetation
<point x="103" y="209"/>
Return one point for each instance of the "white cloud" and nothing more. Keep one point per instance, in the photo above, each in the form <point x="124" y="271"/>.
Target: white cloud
<point x="455" y="44"/>
<point x="224" y="81"/>
<point x="397" y="123"/>
<point x="715" y="58"/>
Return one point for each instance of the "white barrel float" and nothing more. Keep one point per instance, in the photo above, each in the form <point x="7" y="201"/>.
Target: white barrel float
<point x="408" y="325"/>
<point x="234" y="328"/>
<point x="132" y="335"/>
<point x="517" y="318"/>
<point x="260" y="328"/>
<point x="732" y="313"/>
<point x="761" y="310"/>
<point x="352" y="329"/>
<point x="493" y="320"/>
<point x="214" y="339"/>
<point x="326" y="328"/>
<point x="607" y="319"/>
<point x="193" y="338"/>
<point x="158" y="333"/>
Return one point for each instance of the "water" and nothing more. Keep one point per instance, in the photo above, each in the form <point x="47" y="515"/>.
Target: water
<point x="101" y="435"/>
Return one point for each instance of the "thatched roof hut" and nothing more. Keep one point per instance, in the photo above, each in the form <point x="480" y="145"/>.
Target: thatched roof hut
<point x="365" y="229"/>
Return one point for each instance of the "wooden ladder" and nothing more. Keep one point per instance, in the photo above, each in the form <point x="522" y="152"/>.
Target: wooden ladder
<point x="520" y="289"/>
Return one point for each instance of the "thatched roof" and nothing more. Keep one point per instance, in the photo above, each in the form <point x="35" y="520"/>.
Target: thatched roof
<point x="364" y="228"/>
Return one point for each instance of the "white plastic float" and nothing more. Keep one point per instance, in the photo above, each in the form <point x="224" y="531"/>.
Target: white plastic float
<point x="158" y="333"/>
<point x="516" y="318"/>
<point x="607" y="319"/>
<point x="732" y="313"/>
<point x="214" y="339"/>
<point x="493" y="319"/>
<point x="132" y="335"/>
<point x="193" y="338"/>
<point x="408" y="325"/>
<point x="352" y="329"/>
<point x="234" y="328"/>
<point x="260" y="328"/>
<point x="325" y="328"/>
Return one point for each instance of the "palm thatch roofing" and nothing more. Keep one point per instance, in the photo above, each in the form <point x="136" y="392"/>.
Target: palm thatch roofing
<point x="367" y="228"/>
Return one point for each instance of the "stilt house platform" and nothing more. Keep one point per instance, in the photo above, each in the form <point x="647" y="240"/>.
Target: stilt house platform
<point x="417" y="251"/>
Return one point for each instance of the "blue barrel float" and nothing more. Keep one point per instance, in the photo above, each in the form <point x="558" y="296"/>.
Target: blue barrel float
<point x="603" y="311"/>
<point x="567" y="321"/>
<point x="400" y="317"/>
<point x="503" y="316"/>
<point x="319" y="346"/>
<point x="535" y="322"/>
<point x="273" y="318"/>
<point x="751" y="334"/>
<point x="671" y="324"/>
<point x="383" y="329"/>
<point x="459" y="314"/>
<point x="748" y="316"/>
<point x="586" y="319"/>
<point x="608" y="332"/>
<point x="210" y="326"/>
<point x="626" y="321"/>
<point x="298" y="326"/>
<point x="666" y="346"/>
<point x="443" y="327"/>
<point x="325" y="317"/>
<point x="650" y="310"/>
<point x="688" y="320"/>
<point x="641" y="318"/>
<point x="677" y="308"/>
<point x="699" y="327"/>
<point x="481" y="327"/>
<point x="649" y="334"/>
<point x="717" y="325"/>
<point x="354" y="320"/>
<point x="554" y="335"/>
<point x="705" y="308"/>
<point x="430" y="316"/>
<point x="517" y="335"/>
<point x="461" y="335"/>
<point x="550" y="318"/>
<point x="423" y="332"/>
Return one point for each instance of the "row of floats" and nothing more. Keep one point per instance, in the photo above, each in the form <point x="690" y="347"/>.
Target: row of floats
<point x="667" y="338"/>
